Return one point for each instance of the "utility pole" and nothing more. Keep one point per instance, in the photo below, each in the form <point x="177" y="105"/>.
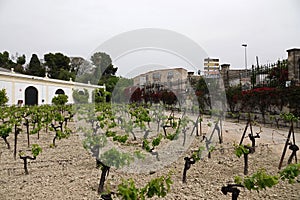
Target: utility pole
<point x="245" y="45"/>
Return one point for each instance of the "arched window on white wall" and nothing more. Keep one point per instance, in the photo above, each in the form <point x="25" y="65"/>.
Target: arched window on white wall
<point x="81" y="92"/>
<point x="59" y="91"/>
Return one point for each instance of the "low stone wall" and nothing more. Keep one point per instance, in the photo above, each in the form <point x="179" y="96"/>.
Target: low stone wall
<point x="271" y="120"/>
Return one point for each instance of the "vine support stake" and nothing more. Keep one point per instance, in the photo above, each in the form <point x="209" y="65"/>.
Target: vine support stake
<point x="294" y="149"/>
<point x="216" y="127"/>
<point x="198" y="121"/>
<point x="245" y="130"/>
<point x="286" y="144"/>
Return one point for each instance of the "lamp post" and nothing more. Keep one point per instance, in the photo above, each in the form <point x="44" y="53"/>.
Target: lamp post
<point x="245" y="45"/>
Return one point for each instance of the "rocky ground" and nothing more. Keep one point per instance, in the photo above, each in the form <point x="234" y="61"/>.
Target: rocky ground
<point x="68" y="171"/>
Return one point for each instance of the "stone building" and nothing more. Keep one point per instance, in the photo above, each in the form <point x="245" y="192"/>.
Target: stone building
<point x="173" y="78"/>
<point x="294" y="64"/>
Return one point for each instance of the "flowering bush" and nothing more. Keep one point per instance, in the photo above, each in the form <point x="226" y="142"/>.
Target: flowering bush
<point x="233" y="95"/>
<point x="169" y="97"/>
<point x="258" y="99"/>
<point x="136" y="94"/>
<point x="263" y="99"/>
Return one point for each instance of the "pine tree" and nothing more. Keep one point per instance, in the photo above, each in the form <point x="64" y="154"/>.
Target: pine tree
<point x="35" y="68"/>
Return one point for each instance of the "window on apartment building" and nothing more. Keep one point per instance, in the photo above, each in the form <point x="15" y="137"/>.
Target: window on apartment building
<point x="156" y="76"/>
<point x="170" y="74"/>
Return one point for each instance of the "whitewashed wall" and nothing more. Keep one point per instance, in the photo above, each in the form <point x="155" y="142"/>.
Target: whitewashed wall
<point x="16" y="84"/>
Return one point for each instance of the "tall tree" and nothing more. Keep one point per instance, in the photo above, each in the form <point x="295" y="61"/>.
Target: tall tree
<point x="59" y="66"/>
<point x="202" y="93"/>
<point x="104" y="68"/>
<point x="5" y="61"/>
<point x="109" y="81"/>
<point x="119" y="89"/>
<point x="105" y="71"/>
<point x="21" y="60"/>
<point x="79" y="67"/>
<point x="35" y="68"/>
<point x="103" y="64"/>
<point x="77" y="63"/>
<point x="83" y="69"/>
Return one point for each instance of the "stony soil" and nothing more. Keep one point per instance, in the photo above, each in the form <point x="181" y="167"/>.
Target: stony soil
<point x="68" y="171"/>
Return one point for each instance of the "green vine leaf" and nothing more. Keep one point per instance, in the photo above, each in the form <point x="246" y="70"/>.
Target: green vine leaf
<point x="258" y="181"/>
<point x="156" y="141"/>
<point x="36" y="150"/>
<point x="289" y="117"/>
<point x="240" y="150"/>
<point x="115" y="158"/>
<point x="197" y="154"/>
<point x="291" y="172"/>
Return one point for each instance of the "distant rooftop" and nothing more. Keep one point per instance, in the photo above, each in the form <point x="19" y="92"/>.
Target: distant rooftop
<point x="160" y="70"/>
<point x="293" y="49"/>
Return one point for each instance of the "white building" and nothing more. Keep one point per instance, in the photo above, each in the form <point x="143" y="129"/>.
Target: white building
<point x="31" y="90"/>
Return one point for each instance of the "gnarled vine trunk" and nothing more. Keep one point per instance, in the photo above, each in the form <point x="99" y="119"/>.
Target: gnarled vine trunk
<point x="245" y="163"/>
<point x="104" y="174"/>
<point x="25" y="158"/>
<point x="187" y="166"/>
<point x="6" y="142"/>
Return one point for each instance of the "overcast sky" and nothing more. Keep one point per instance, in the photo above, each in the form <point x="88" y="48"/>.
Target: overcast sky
<point x="220" y="27"/>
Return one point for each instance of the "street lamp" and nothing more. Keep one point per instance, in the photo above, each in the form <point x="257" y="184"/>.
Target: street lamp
<point x="245" y="45"/>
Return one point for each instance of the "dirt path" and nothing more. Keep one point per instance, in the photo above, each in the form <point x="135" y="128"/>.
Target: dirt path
<point x="68" y="171"/>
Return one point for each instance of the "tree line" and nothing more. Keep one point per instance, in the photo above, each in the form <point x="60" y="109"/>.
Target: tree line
<point x="98" y="70"/>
